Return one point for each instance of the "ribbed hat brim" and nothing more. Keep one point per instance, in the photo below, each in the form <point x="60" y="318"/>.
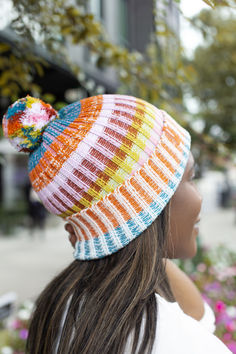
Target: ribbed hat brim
<point x="114" y="221"/>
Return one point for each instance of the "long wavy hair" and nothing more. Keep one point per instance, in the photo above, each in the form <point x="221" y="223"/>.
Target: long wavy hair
<point x="95" y="307"/>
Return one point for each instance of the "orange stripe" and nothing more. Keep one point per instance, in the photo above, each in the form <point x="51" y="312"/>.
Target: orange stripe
<point x="108" y="214"/>
<point x="141" y="191"/>
<point x="150" y="182"/>
<point x="158" y="171"/>
<point x="33" y="177"/>
<point x="81" y="230"/>
<point x="164" y="161"/>
<point x="118" y="206"/>
<point x="175" y="138"/>
<point x="172" y="142"/>
<point x="96" y="219"/>
<point x="89" y="103"/>
<point x="89" y="226"/>
<point x="131" y="199"/>
<point x="60" y="144"/>
<point x="14" y="125"/>
<point x="171" y="153"/>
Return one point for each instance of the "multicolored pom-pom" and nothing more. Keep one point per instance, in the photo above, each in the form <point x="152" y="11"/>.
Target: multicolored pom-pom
<point x="25" y="121"/>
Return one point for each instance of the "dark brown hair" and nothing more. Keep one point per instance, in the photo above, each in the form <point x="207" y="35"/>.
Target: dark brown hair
<point x="93" y="306"/>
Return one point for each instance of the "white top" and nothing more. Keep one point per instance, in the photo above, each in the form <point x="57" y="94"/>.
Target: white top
<point x="179" y="333"/>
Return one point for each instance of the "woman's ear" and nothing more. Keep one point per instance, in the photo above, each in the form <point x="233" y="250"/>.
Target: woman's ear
<point x="72" y="236"/>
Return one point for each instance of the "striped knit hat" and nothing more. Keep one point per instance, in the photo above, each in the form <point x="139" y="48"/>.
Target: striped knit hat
<point x="107" y="164"/>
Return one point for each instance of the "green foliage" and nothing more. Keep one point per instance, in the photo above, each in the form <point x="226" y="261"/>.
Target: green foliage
<point x="215" y="3"/>
<point x="158" y="75"/>
<point x="214" y="82"/>
<point x="17" y="68"/>
<point x="54" y="24"/>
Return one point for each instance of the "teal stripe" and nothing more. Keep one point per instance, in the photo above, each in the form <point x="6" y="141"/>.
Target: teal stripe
<point x="66" y="116"/>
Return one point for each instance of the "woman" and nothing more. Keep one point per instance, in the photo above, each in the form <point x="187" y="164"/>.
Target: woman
<point x="120" y="172"/>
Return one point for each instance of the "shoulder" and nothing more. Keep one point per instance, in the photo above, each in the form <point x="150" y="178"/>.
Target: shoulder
<point x="181" y="334"/>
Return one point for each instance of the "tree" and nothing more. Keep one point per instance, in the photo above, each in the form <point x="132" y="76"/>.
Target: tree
<point x="214" y="82"/>
<point x="52" y="24"/>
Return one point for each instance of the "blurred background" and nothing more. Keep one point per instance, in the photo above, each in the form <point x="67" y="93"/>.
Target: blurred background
<point x="178" y="55"/>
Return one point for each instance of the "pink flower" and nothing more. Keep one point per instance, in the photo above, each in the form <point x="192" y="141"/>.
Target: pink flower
<point x="201" y="267"/>
<point x="228" y="272"/>
<point x="24" y="334"/>
<point x="223" y="318"/>
<point x="231" y="294"/>
<point x="230" y="326"/>
<point x="220" y="307"/>
<point x="214" y="286"/>
<point x="227" y="337"/>
<point x="16" y="324"/>
<point x="232" y="346"/>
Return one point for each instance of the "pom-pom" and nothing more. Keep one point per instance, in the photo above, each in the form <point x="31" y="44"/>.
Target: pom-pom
<point x="25" y="121"/>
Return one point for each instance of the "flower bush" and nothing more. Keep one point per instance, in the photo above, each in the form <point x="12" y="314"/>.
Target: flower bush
<point x="214" y="273"/>
<point x="14" y="332"/>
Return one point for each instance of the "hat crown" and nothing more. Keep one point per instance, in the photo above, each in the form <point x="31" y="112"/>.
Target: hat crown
<point x="93" y="148"/>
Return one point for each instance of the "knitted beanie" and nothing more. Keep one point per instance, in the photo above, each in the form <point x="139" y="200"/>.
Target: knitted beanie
<point x="107" y="164"/>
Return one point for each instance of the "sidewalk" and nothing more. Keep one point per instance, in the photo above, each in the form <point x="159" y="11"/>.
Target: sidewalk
<point x="28" y="264"/>
<point x="218" y="227"/>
